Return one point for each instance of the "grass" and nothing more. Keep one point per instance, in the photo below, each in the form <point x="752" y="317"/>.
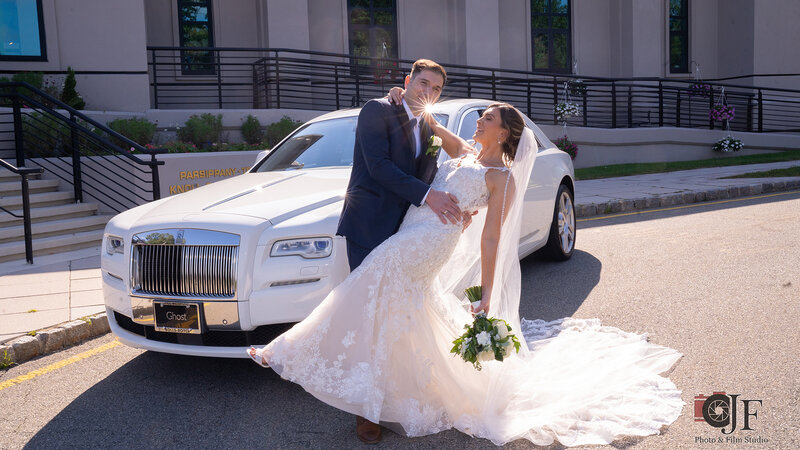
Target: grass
<point x="6" y="362"/>
<point x="786" y="172"/>
<point x="621" y="170"/>
<point x="31" y="333"/>
<point x="32" y="310"/>
<point x="85" y="319"/>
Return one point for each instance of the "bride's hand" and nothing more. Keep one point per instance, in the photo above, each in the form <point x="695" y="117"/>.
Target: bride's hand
<point x="466" y="219"/>
<point x="396" y="95"/>
<point x="482" y="308"/>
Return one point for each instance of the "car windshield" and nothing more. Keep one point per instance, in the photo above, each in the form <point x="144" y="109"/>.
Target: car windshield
<point x="321" y="144"/>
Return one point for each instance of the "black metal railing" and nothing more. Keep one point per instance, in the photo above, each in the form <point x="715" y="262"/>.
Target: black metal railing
<point x="286" y="78"/>
<point x="24" y="172"/>
<point x="97" y="161"/>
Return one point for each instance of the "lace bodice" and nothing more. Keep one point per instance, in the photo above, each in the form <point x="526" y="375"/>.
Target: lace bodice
<point x="463" y="177"/>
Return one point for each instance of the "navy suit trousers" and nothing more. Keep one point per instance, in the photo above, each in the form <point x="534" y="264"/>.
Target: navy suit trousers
<point x="355" y="254"/>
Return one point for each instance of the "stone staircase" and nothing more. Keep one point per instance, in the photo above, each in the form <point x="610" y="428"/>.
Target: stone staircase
<point x="58" y="223"/>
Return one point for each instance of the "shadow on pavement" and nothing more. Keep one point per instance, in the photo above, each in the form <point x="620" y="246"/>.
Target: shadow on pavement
<point x="169" y="401"/>
<point x="552" y="290"/>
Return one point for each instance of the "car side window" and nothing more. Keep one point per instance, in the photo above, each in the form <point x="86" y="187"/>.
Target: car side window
<point x="469" y="123"/>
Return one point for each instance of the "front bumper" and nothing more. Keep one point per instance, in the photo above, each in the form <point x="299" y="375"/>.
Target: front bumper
<point x="219" y="344"/>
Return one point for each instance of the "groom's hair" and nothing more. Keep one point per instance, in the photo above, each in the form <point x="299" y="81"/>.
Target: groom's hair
<point x="427" y="64"/>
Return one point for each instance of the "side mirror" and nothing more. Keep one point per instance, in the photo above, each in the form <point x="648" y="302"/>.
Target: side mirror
<point x="261" y="155"/>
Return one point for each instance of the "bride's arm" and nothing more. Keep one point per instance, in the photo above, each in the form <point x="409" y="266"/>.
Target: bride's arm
<point x="451" y="142"/>
<point x="501" y="195"/>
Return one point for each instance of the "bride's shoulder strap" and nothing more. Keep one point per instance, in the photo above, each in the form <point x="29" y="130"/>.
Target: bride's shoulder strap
<point x="505" y="192"/>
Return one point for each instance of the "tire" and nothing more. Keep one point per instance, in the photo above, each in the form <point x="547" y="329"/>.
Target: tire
<point x="561" y="240"/>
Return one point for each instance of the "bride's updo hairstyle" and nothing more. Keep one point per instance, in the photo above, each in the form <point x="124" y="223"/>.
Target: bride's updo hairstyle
<point x="512" y="121"/>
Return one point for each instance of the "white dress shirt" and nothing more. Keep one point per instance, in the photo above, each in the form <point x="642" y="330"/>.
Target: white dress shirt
<point x="417" y="139"/>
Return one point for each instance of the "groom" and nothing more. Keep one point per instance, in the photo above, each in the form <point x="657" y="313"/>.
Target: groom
<point x="391" y="170"/>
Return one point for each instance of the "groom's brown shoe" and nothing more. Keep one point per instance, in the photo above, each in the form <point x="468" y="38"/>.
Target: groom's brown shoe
<point x="367" y="432"/>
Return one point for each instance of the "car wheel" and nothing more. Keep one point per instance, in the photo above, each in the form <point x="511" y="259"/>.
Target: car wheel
<point x="561" y="240"/>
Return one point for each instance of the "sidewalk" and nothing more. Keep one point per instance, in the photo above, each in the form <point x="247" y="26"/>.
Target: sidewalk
<point x="61" y="288"/>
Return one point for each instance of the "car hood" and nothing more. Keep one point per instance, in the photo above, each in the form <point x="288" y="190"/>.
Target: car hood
<point x="273" y="196"/>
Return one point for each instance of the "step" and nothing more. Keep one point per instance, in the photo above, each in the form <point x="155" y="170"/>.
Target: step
<point x="9" y="176"/>
<point x="50" y="213"/>
<point x="54" y="244"/>
<point x="55" y="227"/>
<point x="10" y="188"/>
<point x="38" y="200"/>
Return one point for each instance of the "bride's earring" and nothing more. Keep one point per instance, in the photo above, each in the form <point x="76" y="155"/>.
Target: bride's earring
<point x="499" y="139"/>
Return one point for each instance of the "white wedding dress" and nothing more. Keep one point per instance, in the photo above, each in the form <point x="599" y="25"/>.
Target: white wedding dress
<point x="379" y="346"/>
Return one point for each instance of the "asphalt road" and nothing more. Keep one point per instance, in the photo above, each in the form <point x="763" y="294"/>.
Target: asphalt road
<point x="719" y="282"/>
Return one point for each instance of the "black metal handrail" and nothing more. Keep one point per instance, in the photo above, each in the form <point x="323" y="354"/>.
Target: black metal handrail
<point x="78" y="149"/>
<point x="24" y="172"/>
<point x="287" y="78"/>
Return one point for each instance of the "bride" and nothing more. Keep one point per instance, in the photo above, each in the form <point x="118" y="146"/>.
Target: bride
<point x="378" y="345"/>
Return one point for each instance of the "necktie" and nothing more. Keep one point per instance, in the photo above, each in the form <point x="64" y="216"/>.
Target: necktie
<point x="413" y="124"/>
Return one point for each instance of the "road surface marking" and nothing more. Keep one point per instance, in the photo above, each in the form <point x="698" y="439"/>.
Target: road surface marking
<point x="57" y="365"/>
<point x="693" y="205"/>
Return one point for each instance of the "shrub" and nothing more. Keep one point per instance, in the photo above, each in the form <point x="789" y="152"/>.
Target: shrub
<point x="202" y="130"/>
<point x="251" y="130"/>
<point x="35" y="79"/>
<point x="276" y="131"/>
<point x="69" y="95"/>
<point x="45" y="135"/>
<point x="565" y="145"/>
<point x="139" y="130"/>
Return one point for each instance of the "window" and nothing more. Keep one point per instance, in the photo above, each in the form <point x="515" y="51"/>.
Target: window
<point x="22" y="31"/>
<point x="551" y="35"/>
<point x="373" y="29"/>
<point x="195" y="28"/>
<point x="679" y="36"/>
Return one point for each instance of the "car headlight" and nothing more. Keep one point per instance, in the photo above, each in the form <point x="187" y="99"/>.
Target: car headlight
<point x="317" y="247"/>
<point x="114" y="244"/>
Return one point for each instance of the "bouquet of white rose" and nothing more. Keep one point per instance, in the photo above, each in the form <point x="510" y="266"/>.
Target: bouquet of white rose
<point x="486" y="339"/>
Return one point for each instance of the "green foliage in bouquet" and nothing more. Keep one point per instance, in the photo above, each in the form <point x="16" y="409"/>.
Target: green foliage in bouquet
<point x="486" y="339"/>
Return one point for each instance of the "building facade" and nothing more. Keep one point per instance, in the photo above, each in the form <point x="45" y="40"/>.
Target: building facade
<point x="106" y="41"/>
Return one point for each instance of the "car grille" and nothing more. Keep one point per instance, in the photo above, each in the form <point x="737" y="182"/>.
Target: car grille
<point x="211" y="338"/>
<point x="185" y="270"/>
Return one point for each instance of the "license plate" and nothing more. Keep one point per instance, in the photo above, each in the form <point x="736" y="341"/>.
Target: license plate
<point x="176" y="317"/>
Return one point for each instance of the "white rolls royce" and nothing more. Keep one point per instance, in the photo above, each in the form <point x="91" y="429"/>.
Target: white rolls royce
<point x="234" y="263"/>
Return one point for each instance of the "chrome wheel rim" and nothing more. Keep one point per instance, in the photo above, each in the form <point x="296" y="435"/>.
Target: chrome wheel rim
<point x="566" y="223"/>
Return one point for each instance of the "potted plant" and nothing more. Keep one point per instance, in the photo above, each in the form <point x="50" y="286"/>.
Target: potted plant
<point x="564" y="144"/>
<point x="728" y="144"/>
<point x="720" y="112"/>
<point x="567" y="109"/>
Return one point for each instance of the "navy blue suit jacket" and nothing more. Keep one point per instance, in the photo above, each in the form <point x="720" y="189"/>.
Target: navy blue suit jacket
<point x="386" y="176"/>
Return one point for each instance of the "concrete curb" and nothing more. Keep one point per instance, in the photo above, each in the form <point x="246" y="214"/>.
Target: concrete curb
<point x="25" y="348"/>
<point x="681" y="198"/>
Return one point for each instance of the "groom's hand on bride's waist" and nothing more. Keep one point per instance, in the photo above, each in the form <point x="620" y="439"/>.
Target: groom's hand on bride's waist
<point x="445" y="205"/>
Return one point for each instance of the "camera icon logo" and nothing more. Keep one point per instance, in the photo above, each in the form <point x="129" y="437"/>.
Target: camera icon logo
<point x="719" y="410"/>
<point x="714" y="410"/>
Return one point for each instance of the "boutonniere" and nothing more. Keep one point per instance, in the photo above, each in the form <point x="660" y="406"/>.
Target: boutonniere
<point x="434" y="144"/>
